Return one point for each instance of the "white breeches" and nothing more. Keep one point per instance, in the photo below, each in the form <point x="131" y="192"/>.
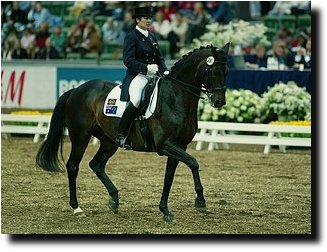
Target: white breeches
<point x="135" y="89"/>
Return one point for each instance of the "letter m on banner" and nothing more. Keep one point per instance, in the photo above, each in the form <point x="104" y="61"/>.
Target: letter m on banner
<point x="12" y="86"/>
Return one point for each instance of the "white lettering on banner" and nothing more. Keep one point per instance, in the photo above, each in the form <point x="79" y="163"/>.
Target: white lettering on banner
<point x="10" y="89"/>
<point x="65" y="85"/>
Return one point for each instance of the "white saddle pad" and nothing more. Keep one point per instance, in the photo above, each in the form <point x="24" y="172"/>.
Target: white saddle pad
<point x="114" y="107"/>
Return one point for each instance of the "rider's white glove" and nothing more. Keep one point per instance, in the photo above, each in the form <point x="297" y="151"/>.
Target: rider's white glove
<point x="152" y="69"/>
<point x="166" y="72"/>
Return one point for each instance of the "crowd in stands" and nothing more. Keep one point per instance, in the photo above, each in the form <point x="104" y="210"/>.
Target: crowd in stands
<point x="30" y="31"/>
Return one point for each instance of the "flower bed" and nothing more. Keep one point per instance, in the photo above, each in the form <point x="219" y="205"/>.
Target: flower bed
<point x="240" y="33"/>
<point x="295" y="123"/>
<point x="28" y="112"/>
<point x="282" y="102"/>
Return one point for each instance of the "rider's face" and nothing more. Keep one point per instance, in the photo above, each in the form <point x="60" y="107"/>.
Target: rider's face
<point x="144" y="22"/>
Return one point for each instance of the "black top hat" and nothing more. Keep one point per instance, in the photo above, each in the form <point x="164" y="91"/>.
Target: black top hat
<point x="142" y="12"/>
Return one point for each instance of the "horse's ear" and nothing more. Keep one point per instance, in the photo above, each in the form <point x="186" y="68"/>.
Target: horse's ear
<point x="214" y="52"/>
<point x="226" y="47"/>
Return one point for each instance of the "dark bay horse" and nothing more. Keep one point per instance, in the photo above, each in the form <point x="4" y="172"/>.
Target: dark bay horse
<point x="81" y="111"/>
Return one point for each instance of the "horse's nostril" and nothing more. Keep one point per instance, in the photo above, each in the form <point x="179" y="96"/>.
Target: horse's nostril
<point x="219" y="104"/>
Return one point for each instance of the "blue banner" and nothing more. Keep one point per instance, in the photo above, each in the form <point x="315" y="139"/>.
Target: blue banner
<point x="72" y="77"/>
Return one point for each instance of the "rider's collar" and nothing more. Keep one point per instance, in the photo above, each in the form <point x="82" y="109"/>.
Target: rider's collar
<point x="144" y="32"/>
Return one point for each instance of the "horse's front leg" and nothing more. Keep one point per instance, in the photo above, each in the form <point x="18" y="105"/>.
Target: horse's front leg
<point x="173" y="151"/>
<point x="169" y="177"/>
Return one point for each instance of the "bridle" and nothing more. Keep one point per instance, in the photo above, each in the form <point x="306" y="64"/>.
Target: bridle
<point x="205" y="86"/>
<point x="209" y="88"/>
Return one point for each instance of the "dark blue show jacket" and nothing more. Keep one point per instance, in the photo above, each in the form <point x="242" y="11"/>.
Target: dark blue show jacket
<point x="138" y="52"/>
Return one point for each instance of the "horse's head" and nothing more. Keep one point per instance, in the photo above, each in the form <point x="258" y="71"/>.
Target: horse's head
<point x="211" y="75"/>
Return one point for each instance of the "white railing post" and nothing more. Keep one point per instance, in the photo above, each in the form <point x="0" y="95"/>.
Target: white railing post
<point x="199" y="144"/>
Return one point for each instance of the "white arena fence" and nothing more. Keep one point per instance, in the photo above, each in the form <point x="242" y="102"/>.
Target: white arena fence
<point x="243" y="133"/>
<point x="8" y="125"/>
<point x="213" y="133"/>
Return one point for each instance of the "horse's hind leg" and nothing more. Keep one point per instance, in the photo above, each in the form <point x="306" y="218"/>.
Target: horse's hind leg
<point x="98" y="164"/>
<point x="79" y="144"/>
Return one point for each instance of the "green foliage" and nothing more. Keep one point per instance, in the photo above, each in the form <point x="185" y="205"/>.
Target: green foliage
<point x="286" y="102"/>
<point x="283" y="102"/>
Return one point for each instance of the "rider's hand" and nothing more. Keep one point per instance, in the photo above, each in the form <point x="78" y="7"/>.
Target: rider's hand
<point x="152" y="69"/>
<point x="166" y="72"/>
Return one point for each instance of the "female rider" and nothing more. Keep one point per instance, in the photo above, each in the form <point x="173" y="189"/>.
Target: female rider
<point x="143" y="60"/>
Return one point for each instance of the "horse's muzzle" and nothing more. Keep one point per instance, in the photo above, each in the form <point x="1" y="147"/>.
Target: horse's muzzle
<point x="219" y="103"/>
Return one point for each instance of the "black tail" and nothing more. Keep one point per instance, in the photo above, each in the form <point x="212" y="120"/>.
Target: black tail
<point x="47" y="157"/>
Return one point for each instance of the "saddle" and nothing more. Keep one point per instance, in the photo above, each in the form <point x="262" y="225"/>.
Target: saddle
<point x="146" y="96"/>
<point x="145" y="101"/>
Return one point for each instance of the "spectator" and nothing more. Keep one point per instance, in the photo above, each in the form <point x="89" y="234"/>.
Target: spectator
<point x="168" y="10"/>
<point x="42" y="34"/>
<point x="88" y="26"/>
<point x="179" y="30"/>
<point x="255" y="9"/>
<point x="300" y="38"/>
<point x="48" y="51"/>
<point x="82" y="22"/>
<point x="161" y="26"/>
<point x="110" y="31"/>
<point x="28" y="38"/>
<point x="285" y="35"/>
<point x="186" y="8"/>
<point x="281" y="8"/>
<point x="259" y="60"/>
<point x="19" y="52"/>
<point x="6" y="52"/>
<point x="78" y="8"/>
<point x="11" y="37"/>
<point x="303" y="56"/>
<point x="38" y="14"/>
<point x="197" y="24"/>
<point x="92" y="41"/>
<point x="28" y="42"/>
<point x="17" y="16"/>
<point x="301" y="7"/>
<point x="25" y="6"/>
<point x="282" y="54"/>
<point x="74" y="39"/>
<point x="128" y="25"/>
<point x="58" y="40"/>
<point x="221" y="12"/>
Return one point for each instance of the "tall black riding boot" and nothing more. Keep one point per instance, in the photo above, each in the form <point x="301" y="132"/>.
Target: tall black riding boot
<point x="125" y="123"/>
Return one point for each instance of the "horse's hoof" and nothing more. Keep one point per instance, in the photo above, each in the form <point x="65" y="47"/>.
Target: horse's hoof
<point x="200" y="206"/>
<point x="78" y="211"/>
<point x="113" y="205"/>
<point x="201" y="209"/>
<point x="169" y="218"/>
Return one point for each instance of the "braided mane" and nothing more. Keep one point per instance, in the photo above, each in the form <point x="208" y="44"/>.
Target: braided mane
<point x="184" y="57"/>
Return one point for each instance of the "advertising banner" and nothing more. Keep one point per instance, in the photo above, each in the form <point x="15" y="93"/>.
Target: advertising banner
<point x="30" y="87"/>
<point x="68" y="78"/>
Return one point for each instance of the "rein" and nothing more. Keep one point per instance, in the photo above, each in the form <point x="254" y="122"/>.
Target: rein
<point x="204" y="88"/>
<point x="186" y="86"/>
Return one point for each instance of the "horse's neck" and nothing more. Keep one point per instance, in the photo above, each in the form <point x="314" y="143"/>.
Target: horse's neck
<point x="178" y="92"/>
<point x="183" y="100"/>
